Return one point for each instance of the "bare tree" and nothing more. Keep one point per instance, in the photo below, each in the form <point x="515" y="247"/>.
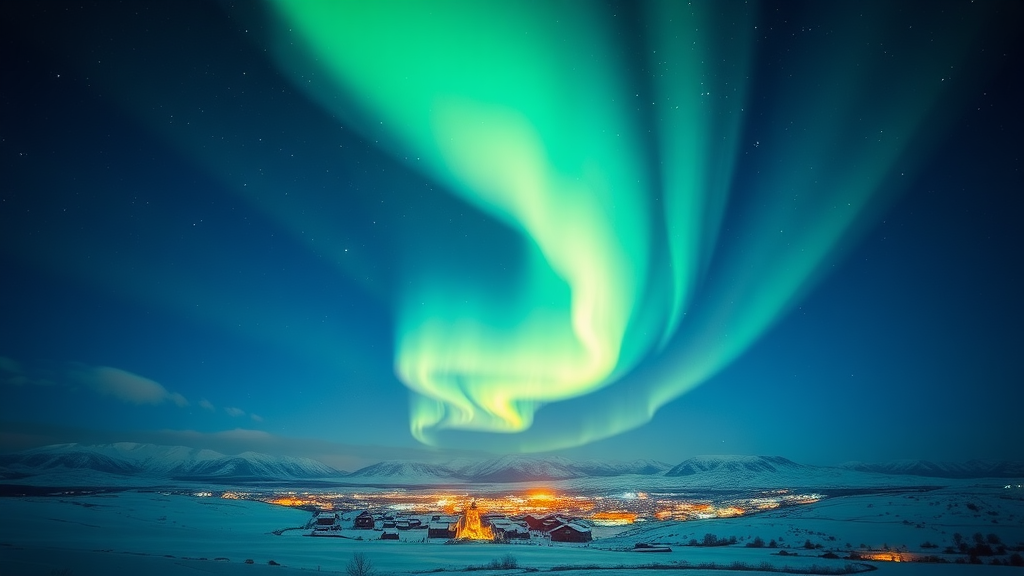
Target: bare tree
<point x="359" y="565"/>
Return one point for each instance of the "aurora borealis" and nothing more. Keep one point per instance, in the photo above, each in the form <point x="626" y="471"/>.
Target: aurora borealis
<point x="506" y="226"/>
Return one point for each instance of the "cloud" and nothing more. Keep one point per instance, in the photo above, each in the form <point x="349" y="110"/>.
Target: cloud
<point x="14" y="374"/>
<point x="206" y="405"/>
<point x="9" y="365"/>
<point x="256" y="417"/>
<point x="24" y="435"/>
<point x="128" y="387"/>
<point x="232" y="411"/>
<point x="19" y="380"/>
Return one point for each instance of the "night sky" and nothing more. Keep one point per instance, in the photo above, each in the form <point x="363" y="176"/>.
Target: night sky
<point x="359" y="231"/>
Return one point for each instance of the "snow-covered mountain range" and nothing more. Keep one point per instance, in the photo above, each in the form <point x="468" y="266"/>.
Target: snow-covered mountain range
<point x="969" y="469"/>
<point x="171" y="462"/>
<point x="507" y="469"/>
<point x="733" y="465"/>
<point x="113" y="463"/>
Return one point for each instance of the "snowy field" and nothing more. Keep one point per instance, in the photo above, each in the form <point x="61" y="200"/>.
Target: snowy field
<point x="154" y="533"/>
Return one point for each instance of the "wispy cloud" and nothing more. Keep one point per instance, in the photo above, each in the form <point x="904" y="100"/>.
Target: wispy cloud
<point x="9" y="365"/>
<point x="128" y="387"/>
<point x="23" y="435"/>
<point x="107" y="381"/>
<point x="14" y="374"/>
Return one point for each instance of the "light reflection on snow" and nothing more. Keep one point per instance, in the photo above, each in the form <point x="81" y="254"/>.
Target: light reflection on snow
<point x="608" y="509"/>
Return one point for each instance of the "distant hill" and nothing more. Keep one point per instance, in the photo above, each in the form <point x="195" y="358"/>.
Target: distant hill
<point x="153" y="461"/>
<point x="128" y="463"/>
<point x="969" y="469"/>
<point x="401" y="470"/>
<point x="514" y="468"/>
<point x="733" y="464"/>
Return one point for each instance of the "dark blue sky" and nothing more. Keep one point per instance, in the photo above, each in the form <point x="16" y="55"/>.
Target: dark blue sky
<point x="194" y="249"/>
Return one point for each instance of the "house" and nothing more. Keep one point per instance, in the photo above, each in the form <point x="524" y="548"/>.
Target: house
<point x="545" y="523"/>
<point x="571" y="532"/>
<point x="505" y="529"/>
<point x="363" y="520"/>
<point x="441" y="529"/>
<point x="327" y="521"/>
<point x="389" y="535"/>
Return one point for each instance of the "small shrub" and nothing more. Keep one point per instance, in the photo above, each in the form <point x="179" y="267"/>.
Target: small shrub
<point x="506" y="562"/>
<point x="757" y="542"/>
<point x="808" y="544"/>
<point x="250" y="561"/>
<point x="272" y="563"/>
<point x="1016" y="559"/>
<point x="927" y="544"/>
<point x="359" y="565"/>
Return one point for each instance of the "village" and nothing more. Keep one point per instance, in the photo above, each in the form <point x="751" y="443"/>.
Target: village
<point x="473" y="525"/>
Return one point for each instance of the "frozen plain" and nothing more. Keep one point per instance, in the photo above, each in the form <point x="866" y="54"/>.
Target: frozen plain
<point x="136" y="532"/>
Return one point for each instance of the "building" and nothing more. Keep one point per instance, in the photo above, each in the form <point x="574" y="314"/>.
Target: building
<point x="441" y="529"/>
<point x="571" y="532"/>
<point x="544" y="523"/>
<point x="505" y="529"/>
<point x="389" y="535"/>
<point x="326" y="522"/>
<point x="363" y="520"/>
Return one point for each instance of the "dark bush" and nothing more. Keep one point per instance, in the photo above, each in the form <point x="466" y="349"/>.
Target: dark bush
<point x="808" y="544"/>
<point x="757" y="542"/>
<point x="359" y="565"/>
<point x="1016" y="559"/>
<point x="993" y="539"/>
<point x="506" y="562"/>
<point x="981" y="550"/>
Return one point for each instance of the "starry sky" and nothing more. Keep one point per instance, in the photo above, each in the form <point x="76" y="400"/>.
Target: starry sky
<point x="358" y="231"/>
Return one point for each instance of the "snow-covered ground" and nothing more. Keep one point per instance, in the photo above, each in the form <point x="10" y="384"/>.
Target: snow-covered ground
<point x="154" y="533"/>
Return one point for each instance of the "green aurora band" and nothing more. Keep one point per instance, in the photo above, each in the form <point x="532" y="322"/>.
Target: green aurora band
<point x="627" y="295"/>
